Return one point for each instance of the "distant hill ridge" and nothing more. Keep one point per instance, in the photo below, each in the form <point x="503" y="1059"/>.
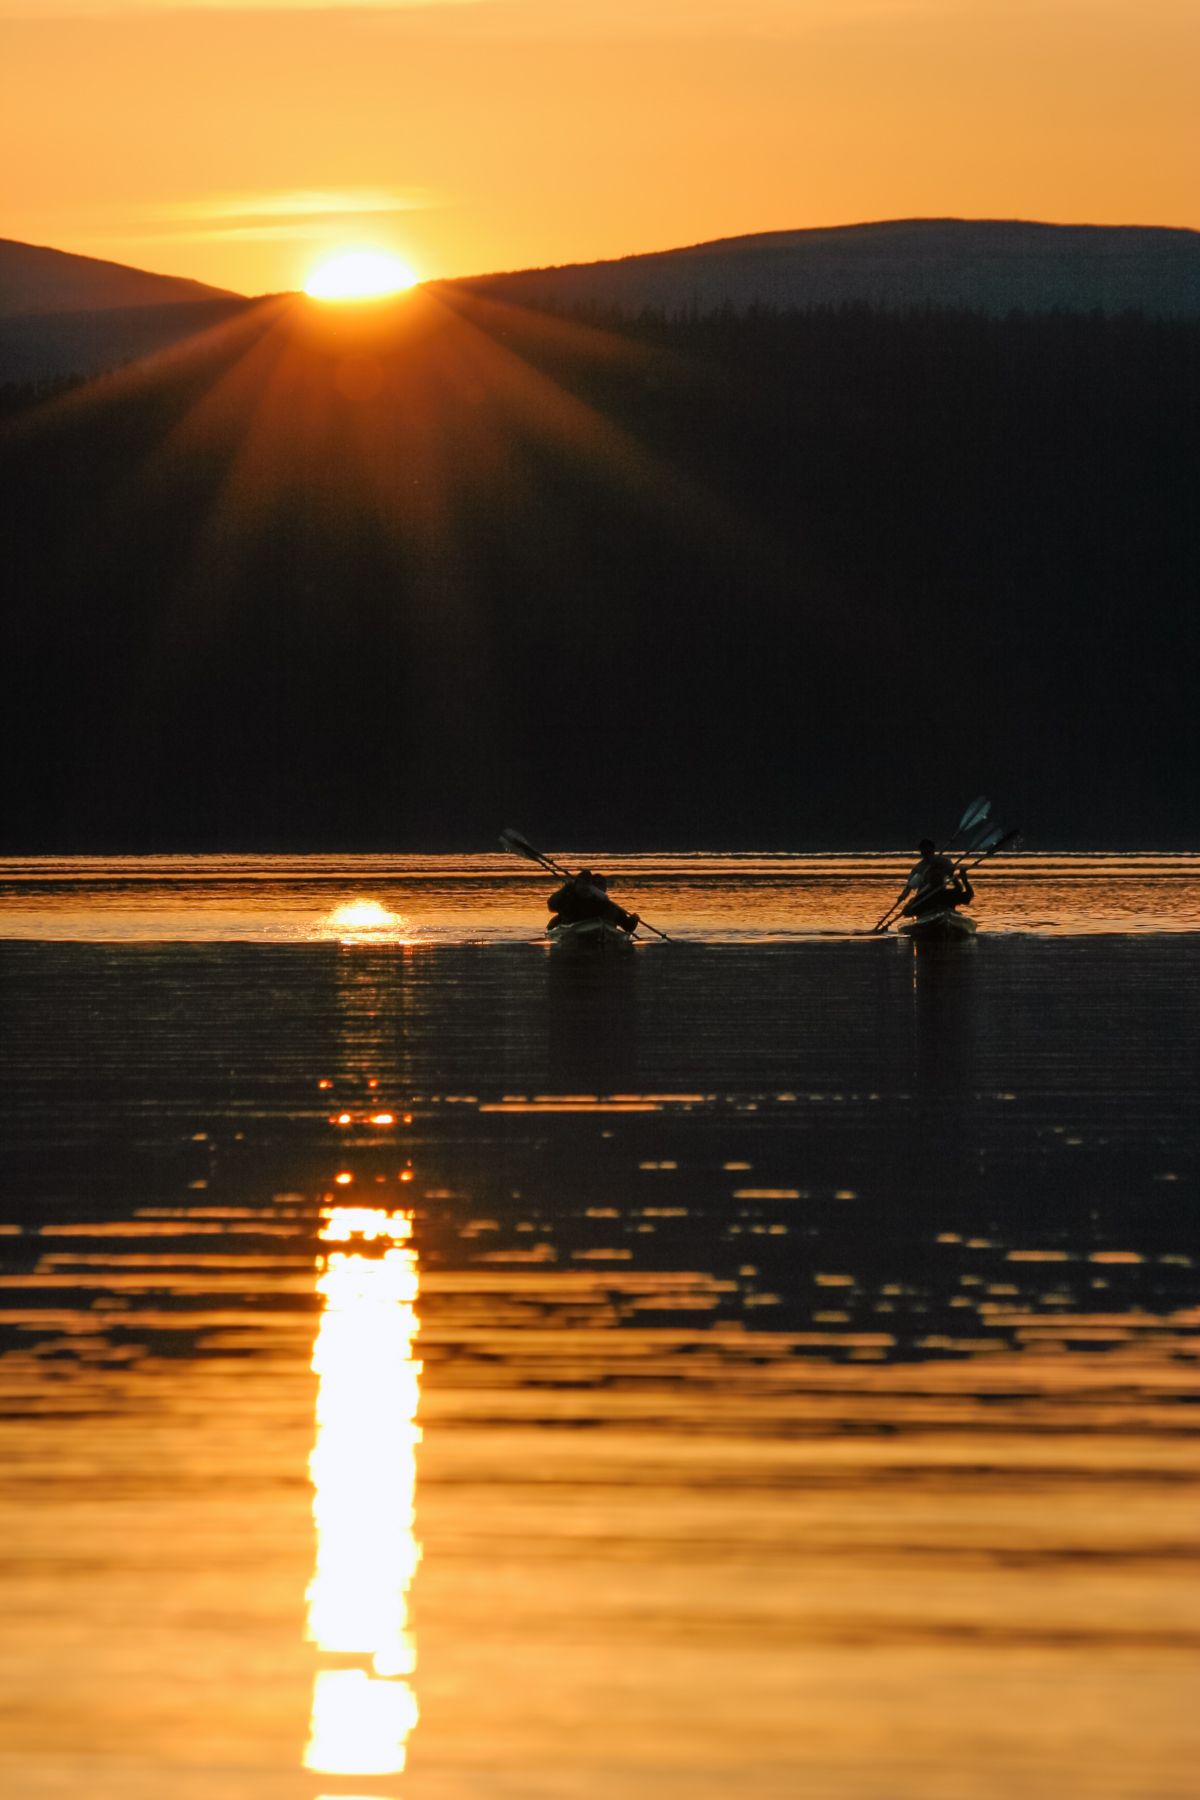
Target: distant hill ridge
<point x="76" y="315"/>
<point x="63" y="315"/>
<point x="37" y="280"/>
<point x="987" y="265"/>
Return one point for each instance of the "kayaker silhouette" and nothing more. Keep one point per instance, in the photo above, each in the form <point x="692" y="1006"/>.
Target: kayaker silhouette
<point x="585" y="896"/>
<point x="935" y="884"/>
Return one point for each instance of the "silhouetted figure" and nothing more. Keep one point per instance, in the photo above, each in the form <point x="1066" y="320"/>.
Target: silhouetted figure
<point x="585" y="896"/>
<point x="935" y="884"/>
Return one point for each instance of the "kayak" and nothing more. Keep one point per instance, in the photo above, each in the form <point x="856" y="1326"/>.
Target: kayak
<point x="944" y="926"/>
<point x="590" y="937"/>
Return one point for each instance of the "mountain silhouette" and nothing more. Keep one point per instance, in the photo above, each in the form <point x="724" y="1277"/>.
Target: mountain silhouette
<point x="984" y="265"/>
<point x="66" y="315"/>
<point x="34" y="279"/>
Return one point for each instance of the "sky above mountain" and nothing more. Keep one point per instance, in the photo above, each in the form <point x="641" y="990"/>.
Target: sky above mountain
<point x="240" y="144"/>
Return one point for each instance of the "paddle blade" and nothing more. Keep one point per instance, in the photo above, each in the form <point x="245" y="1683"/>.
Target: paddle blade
<point x="978" y="839"/>
<point x="520" y="846"/>
<point x="999" y="839"/>
<point x="975" y="814"/>
<point x="989" y="841"/>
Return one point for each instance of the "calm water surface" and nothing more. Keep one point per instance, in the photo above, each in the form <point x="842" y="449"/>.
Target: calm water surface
<point x="488" y="899"/>
<point x="432" y="1370"/>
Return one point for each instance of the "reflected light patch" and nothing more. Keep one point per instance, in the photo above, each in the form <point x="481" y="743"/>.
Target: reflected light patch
<point x="341" y="1224"/>
<point x="360" y="1724"/>
<point x="363" y="915"/>
<point x="359" y="275"/>
<point x="363" y="1472"/>
<point x="366" y="922"/>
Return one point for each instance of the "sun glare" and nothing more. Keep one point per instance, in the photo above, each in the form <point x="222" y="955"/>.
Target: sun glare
<point x="359" y="275"/>
<point x="365" y="922"/>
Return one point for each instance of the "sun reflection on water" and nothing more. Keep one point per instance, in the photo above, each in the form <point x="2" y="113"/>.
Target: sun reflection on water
<point x="363" y="1470"/>
<point x="366" y="922"/>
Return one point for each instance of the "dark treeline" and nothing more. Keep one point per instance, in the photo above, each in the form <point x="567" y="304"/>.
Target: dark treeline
<point x="773" y="580"/>
<point x="20" y="396"/>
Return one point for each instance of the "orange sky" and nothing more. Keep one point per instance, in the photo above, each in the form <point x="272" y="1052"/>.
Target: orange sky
<point x="239" y="144"/>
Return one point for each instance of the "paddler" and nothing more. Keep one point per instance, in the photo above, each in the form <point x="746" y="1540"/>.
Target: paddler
<point x="935" y="884"/>
<point x="585" y="896"/>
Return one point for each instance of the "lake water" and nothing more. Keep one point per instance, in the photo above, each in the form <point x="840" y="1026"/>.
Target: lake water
<point x="428" y="900"/>
<point x="433" y="1369"/>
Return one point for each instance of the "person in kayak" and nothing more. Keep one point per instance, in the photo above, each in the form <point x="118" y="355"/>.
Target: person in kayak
<point x="585" y="896"/>
<point x="935" y="884"/>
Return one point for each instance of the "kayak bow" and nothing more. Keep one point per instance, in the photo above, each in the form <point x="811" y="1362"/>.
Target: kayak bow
<point x="589" y="937"/>
<point x="945" y="926"/>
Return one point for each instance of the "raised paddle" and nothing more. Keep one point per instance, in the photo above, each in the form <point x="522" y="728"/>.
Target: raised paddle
<point x="1007" y="840"/>
<point x="974" y="816"/>
<point x="521" y="846"/>
<point x="982" y="846"/>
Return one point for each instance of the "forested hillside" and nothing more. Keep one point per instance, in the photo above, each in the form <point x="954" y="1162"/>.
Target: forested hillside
<point x="781" y="580"/>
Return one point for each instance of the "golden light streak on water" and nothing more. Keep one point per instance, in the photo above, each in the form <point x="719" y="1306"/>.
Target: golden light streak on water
<point x="416" y="902"/>
<point x="366" y="922"/>
<point x="363" y="1469"/>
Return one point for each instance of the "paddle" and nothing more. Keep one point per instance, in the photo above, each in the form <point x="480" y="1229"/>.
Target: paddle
<point x="975" y="814"/>
<point x="984" y="844"/>
<point x="521" y="846"/>
<point x="972" y="818"/>
<point x="1007" y="840"/>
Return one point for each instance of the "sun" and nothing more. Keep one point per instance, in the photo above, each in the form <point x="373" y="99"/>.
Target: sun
<point x="359" y="275"/>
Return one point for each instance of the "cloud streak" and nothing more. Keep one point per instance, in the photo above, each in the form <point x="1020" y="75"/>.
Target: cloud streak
<point x="301" y="204"/>
<point x="304" y="215"/>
